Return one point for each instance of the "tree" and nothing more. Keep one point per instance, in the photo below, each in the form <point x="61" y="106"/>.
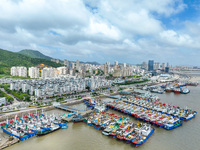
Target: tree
<point x="27" y="98"/>
<point x="88" y="88"/>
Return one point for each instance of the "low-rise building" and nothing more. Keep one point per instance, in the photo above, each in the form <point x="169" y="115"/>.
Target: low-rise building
<point x="2" y="100"/>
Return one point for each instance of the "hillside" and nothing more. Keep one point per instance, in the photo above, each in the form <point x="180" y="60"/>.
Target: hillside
<point x="9" y="59"/>
<point x="34" y="54"/>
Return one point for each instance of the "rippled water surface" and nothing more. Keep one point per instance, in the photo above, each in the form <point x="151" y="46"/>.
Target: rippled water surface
<point x="83" y="137"/>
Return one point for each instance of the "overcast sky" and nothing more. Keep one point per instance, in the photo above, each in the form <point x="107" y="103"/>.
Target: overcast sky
<point x="130" y="31"/>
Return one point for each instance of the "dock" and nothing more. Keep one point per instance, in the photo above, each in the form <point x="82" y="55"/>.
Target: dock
<point x="83" y="113"/>
<point x="110" y="96"/>
<point x="67" y="108"/>
<point x="6" y="143"/>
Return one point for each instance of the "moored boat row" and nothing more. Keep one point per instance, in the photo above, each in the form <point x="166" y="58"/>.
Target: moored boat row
<point x="176" y="111"/>
<point x="120" y="128"/>
<point x="28" y="126"/>
<point x="156" y="118"/>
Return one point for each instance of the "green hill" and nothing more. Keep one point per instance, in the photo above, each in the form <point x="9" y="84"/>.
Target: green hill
<point x="9" y="59"/>
<point x="34" y="54"/>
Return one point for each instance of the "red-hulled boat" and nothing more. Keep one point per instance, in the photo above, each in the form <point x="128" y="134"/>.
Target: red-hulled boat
<point x="177" y="90"/>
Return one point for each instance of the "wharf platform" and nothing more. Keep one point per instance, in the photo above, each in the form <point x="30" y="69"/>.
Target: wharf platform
<point x="6" y="143"/>
<point x="83" y="113"/>
<point x="115" y="97"/>
<point x="67" y="108"/>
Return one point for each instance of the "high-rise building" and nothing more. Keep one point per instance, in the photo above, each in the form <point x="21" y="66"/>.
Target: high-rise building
<point x="73" y="65"/>
<point x="167" y="69"/>
<point x="156" y="65"/>
<point x="116" y="63"/>
<point x="116" y="67"/>
<point x="167" y="64"/>
<point x="77" y="64"/>
<point x="19" y="71"/>
<point x="144" y="65"/>
<point x="49" y="72"/>
<point x="150" y="65"/>
<point x="124" y="65"/>
<point x="34" y="72"/>
<point x="108" y="64"/>
<point x="106" y="69"/>
<point x="62" y="70"/>
<point x="163" y="65"/>
<point x="66" y="63"/>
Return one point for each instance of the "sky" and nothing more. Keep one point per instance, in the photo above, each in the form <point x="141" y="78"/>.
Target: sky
<point x="129" y="31"/>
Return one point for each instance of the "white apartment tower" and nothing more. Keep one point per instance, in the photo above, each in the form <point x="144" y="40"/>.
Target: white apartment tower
<point x="49" y="73"/>
<point x="19" y="71"/>
<point x="34" y="72"/>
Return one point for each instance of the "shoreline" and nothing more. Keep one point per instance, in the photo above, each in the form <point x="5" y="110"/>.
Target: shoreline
<point x="195" y="79"/>
<point x="26" y="112"/>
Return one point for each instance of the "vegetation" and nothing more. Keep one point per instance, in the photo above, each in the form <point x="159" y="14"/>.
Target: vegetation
<point x="18" y="94"/>
<point x="95" y="94"/>
<point x="129" y="83"/>
<point x="8" y="98"/>
<point x="100" y="72"/>
<point x="120" y="89"/>
<point x="59" y="99"/>
<point x="78" y="97"/>
<point x="34" y="54"/>
<point x="9" y="59"/>
<point x="87" y="88"/>
<point x="110" y="77"/>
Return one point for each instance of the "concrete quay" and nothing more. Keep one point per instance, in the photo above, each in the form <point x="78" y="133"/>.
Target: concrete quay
<point x="26" y="111"/>
<point x="6" y="142"/>
<point x="83" y="113"/>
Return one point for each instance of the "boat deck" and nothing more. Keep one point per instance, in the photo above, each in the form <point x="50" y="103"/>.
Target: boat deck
<point x="83" y="113"/>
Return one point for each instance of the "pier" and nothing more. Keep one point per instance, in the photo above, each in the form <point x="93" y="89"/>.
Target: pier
<point x="6" y="142"/>
<point x="110" y="96"/>
<point x="67" y="108"/>
<point x="83" y="113"/>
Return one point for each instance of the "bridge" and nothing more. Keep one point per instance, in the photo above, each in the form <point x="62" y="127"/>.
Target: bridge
<point x="67" y="108"/>
<point x="115" y="97"/>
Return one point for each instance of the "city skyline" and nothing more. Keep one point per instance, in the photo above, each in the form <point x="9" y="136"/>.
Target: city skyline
<point x="101" y="31"/>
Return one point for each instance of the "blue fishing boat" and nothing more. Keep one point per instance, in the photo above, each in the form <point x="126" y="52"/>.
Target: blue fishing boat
<point x="145" y="134"/>
<point x="16" y="133"/>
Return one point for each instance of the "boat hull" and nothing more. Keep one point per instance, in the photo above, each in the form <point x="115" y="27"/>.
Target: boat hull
<point x="21" y="138"/>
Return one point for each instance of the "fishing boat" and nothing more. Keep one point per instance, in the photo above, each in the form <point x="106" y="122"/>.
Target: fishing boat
<point x="185" y="91"/>
<point x="189" y="115"/>
<point x="54" y="127"/>
<point x="108" y="129"/>
<point x="43" y="132"/>
<point x="177" y="90"/>
<point x="173" y="124"/>
<point x="168" y="89"/>
<point x="15" y="132"/>
<point x="118" y="127"/>
<point x="155" y="90"/>
<point x="130" y="137"/>
<point x="144" y="133"/>
<point x="78" y="118"/>
<point x="192" y="83"/>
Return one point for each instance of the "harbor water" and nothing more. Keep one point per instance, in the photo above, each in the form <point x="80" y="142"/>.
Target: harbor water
<point x="80" y="136"/>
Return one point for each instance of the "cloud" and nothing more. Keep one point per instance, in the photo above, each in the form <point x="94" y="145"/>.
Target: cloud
<point x="98" y="30"/>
